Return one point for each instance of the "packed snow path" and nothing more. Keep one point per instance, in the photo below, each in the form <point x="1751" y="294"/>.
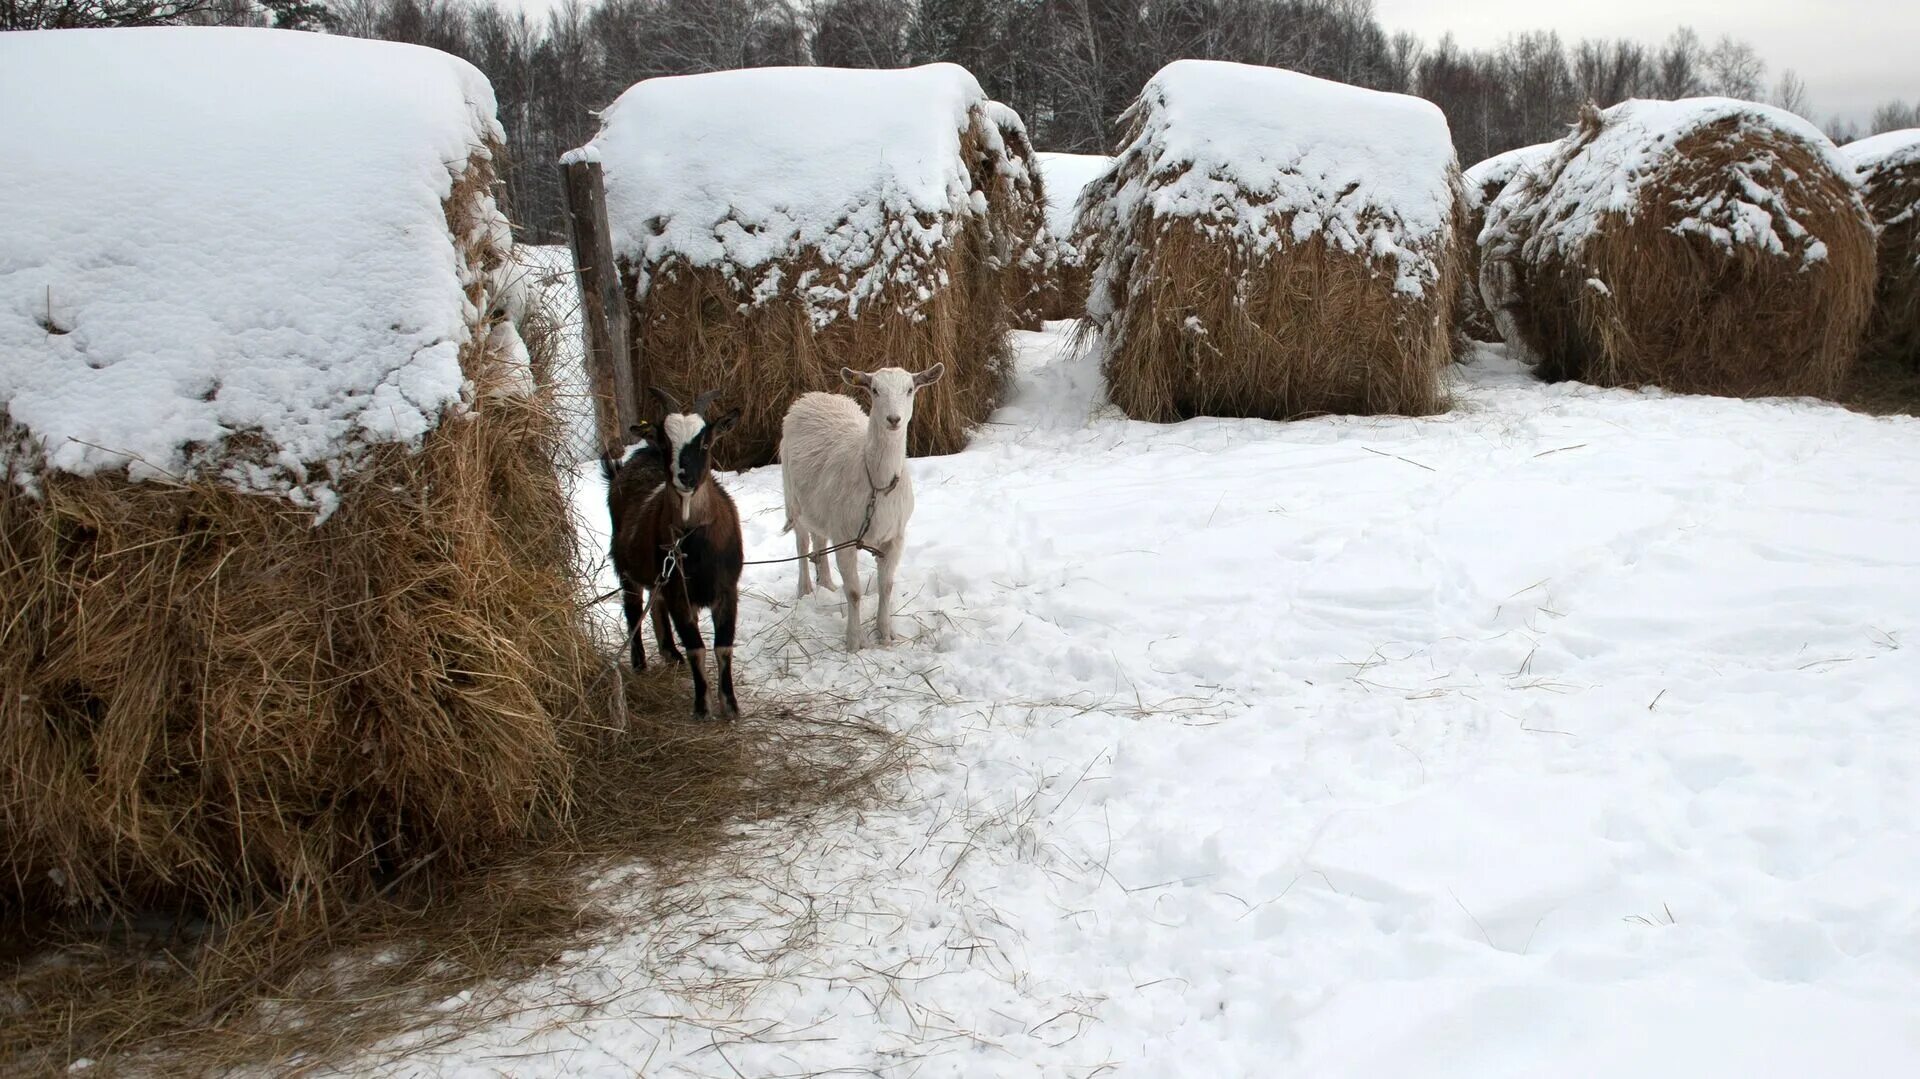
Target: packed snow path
<point x="1570" y="733"/>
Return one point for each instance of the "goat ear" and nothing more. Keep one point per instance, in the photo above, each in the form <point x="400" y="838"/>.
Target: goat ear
<point x="930" y="376"/>
<point x="666" y="399"/>
<point x="856" y="378"/>
<point x="726" y="421"/>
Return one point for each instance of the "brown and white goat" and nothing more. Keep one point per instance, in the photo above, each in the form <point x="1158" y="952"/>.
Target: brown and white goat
<point x="676" y="535"/>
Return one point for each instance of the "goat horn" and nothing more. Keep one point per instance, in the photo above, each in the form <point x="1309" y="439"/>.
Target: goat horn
<point x="701" y="402"/>
<point x="666" y="399"/>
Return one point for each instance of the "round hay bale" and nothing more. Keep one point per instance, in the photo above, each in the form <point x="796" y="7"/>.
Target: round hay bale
<point x="286" y="559"/>
<point x="1484" y="182"/>
<point x="1889" y="172"/>
<point x="1271" y="244"/>
<point x="1028" y="248"/>
<point x="1069" y="177"/>
<point x="1705" y="245"/>
<point x="774" y="225"/>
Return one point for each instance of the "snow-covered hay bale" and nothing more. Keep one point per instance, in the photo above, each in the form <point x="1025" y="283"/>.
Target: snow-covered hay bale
<point x="286" y="563"/>
<point x="1485" y="181"/>
<point x="1705" y="245"/>
<point x="1027" y="248"/>
<point x="1889" y="172"/>
<point x="1272" y="244"/>
<point x="777" y="224"/>
<point x="1068" y="176"/>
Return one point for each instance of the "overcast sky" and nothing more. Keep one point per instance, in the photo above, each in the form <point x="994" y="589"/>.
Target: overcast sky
<point x="1853" y="54"/>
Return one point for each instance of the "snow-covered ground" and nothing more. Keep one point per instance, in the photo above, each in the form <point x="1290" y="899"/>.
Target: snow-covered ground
<point x="1572" y="732"/>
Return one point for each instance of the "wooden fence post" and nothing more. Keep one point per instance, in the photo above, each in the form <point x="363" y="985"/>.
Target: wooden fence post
<point x="603" y="304"/>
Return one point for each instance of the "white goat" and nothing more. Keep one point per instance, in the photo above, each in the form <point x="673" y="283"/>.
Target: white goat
<point x="834" y="458"/>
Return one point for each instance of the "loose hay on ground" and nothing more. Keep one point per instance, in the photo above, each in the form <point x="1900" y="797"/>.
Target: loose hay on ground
<point x="1312" y="270"/>
<point x="779" y="246"/>
<point x="1705" y="246"/>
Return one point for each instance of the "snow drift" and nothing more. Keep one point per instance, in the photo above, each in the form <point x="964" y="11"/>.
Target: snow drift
<point x="1272" y="244"/>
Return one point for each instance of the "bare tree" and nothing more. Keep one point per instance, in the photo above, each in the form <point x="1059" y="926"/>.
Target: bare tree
<point x="1790" y="93"/>
<point x="1735" y="70"/>
<point x="1608" y="72"/>
<point x="1680" y="70"/>
<point x="1894" y="116"/>
<point x="77" y="14"/>
<point x="859" y="33"/>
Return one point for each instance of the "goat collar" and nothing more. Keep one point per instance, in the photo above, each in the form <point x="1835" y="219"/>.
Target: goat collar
<point x="877" y="489"/>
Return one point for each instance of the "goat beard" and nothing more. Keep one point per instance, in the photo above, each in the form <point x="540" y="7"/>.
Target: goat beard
<point x="686" y="506"/>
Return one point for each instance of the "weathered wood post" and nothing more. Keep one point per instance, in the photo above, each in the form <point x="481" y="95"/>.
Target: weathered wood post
<point x="603" y="306"/>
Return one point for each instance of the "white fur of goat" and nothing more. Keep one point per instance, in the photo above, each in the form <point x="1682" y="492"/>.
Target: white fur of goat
<point x="833" y="457"/>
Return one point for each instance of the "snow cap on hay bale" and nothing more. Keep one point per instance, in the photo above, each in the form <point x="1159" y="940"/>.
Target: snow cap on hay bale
<point x="1704" y="245"/>
<point x="1272" y="244"/>
<point x="1068" y="177"/>
<point x="1484" y="183"/>
<point x="1889" y="173"/>
<point x="777" y="224"/>
<point x="286" y="559"/>
<point x="1028" y="248"/>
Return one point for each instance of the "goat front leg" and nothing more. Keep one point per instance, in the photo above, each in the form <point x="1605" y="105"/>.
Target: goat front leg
<point x="849" y="558"/>
<point x="662" y="632"/>
<point x="633" y="604"/>
<point x="889" y="561"/>
<point x="725" y="608"/>
<point x="686" y="622"/>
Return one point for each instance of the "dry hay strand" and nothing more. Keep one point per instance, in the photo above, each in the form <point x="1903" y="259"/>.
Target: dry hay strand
<point x="1682" y="312"/>
<point x="1893" y="198"/>
<point x="1207" y="328"/>
<point x="695" y="329"/>
<point x="437" y="955"/>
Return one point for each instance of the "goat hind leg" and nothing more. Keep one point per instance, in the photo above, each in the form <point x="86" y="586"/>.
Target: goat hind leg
<point x="802" y="545"/>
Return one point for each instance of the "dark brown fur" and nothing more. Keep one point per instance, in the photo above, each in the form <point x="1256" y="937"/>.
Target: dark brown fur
<point x="672" y="567"/>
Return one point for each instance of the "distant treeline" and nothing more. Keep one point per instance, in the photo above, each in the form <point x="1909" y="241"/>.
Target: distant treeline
<point x="1068" y="66"/>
